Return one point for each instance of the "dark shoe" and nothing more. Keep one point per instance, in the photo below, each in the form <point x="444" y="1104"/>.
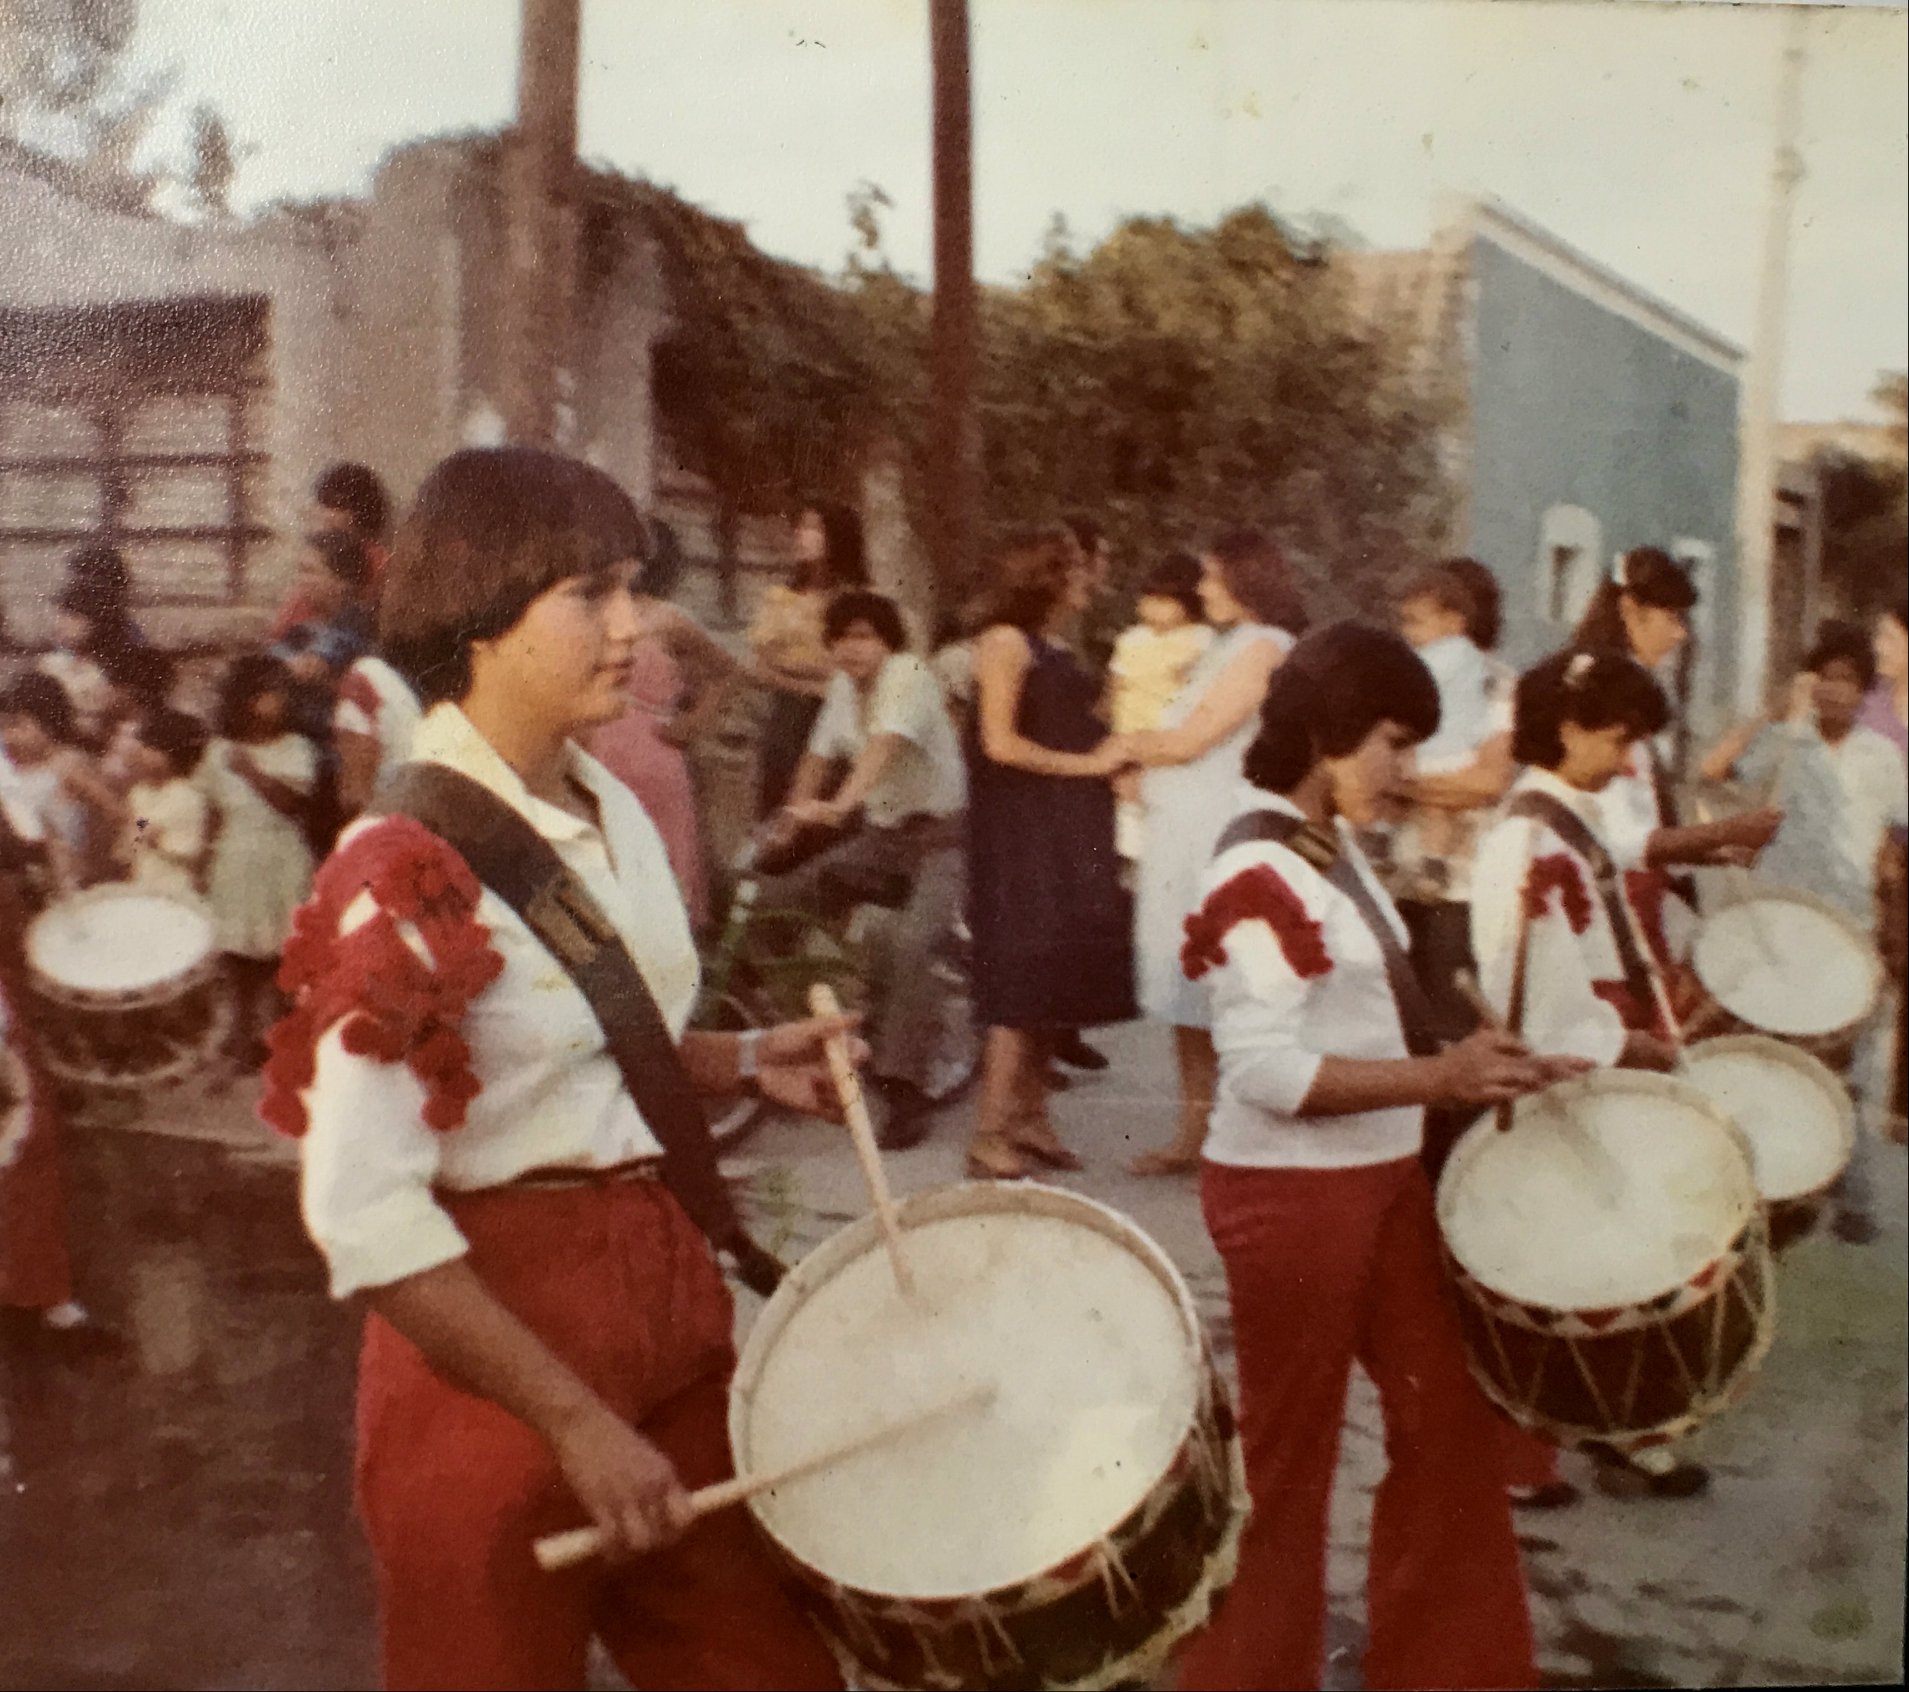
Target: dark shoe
<point x="1852" y="1227"/>
<point x="1070" y="1049"/>
<point x="1620" y="1478"/>
<point x="1553" y="1495"/>
<point x="905" y="1121"/>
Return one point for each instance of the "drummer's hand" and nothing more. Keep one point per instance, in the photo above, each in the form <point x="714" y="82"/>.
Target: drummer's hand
<point x="1488" y="1068"/>
<point x="626" y="1484"/>
<point x="1756" y="829"/>
<point x="1647" y="1051"/>
<point x="794" y="1066"/>
<point x="1732" y="857"/>
<point x="1561" y="1066"/>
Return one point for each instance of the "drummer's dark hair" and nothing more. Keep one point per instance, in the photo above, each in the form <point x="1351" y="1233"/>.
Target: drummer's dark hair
<point x="1334" y="688"/>
<point x="1845" y="643"/>
<point x="491" y="530"/>
<point x="1595" y="690"/>
<point x="42" y="700"/>
<point x="1646" y="574"/>
<point x="177" y="736"/>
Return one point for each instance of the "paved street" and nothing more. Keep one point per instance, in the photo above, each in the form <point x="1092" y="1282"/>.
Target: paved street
<point x="179" y="1514"/>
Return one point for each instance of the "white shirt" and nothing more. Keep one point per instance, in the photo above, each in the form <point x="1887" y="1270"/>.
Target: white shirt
<point x="550" y="1094"/>
<point x="1464" y="705"/>
<point x="1566" y="958"/>
<point x="377" y="702"/>
<point x="166" y="831"/>
<point x="1273" y="1026"/>
<point x="927" y="776"/>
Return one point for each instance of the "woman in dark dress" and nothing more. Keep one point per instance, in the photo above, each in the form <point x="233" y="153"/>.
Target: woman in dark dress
<point x="1052" y="925"/>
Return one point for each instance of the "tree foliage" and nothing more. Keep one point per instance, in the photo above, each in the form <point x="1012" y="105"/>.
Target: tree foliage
<point x="214" y="163"/>
<point x="1866" y="514"/>
<point x="1174" y="382"/>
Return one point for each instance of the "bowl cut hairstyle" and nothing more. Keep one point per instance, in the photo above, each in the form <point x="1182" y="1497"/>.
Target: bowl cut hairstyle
<point x="356" y="490"/>
<point x="493" y="529"/>
<point x="1177" y="577"/>
<point x="1335" y="687"/>
<point x="861" y="605"/>
<point x="1595" y="690"/>
<point x="1648" y="575"/>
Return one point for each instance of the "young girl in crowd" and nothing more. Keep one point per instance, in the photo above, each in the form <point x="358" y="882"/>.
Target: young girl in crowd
<point x="1151" y="663"/>
<point x="95" y="633"/>
<point x="1322" y="1213"/>
<point x="1642" y="611"/>
<point x="169" y="819"/>
<point x="259" y="776"/>
<point x="53" y="796"/>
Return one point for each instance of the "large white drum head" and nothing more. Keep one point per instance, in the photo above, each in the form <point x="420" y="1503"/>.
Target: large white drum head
<point x="1793" y="1111"/>
<point x="118" y="940"/>
<point x="1607" y="1192"/>
<point x="1079" y="1320"/>
<point x="1788" y="963"/>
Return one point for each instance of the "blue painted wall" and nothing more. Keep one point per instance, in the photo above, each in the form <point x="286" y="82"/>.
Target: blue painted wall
<point x="1572" y="404"/>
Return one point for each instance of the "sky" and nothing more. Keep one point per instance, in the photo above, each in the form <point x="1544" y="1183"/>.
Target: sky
<point x="1640" y="134"/>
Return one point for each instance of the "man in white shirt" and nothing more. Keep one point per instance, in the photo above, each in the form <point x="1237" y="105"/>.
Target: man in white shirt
<point x="900" y="807"/>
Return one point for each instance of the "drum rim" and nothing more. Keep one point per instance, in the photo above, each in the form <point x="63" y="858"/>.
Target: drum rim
<point x="1812" y="1068"/>
<point x="1480" y="1134"/>
<point x="159" y="992"/>
<point x="1778" y="893"/>
<point x="947" y="1202"/>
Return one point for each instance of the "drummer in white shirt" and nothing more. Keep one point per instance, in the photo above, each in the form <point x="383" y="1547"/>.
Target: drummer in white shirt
<point x="899" y="807"/>
<point x="548" y="1337"/>
<point x="1322" y="1213"/>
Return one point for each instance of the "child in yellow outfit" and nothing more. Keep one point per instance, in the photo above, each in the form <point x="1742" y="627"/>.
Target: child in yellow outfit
<point x="1150" y="665"/>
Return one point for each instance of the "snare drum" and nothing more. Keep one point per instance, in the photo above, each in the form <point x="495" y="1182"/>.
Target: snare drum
<point x="127" y="986"/>
<point x="1794" y="1112"/>
<point x="1609" y="1254"/>
<point x="1782" y="962"/>
<point x="1067" y="1535"/>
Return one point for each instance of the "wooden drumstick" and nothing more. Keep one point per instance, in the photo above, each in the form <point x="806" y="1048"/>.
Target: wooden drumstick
<point x="564" y="1550"/>
<point x="848" y="1088"/>
<point x="1598" y="1163"/>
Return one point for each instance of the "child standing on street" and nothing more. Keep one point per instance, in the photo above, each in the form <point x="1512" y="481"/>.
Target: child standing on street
<point x="1151" y="663"/>
<point x="169" y="818"/>
<point x="54" y="797"/>
<point x="259" y="776"/>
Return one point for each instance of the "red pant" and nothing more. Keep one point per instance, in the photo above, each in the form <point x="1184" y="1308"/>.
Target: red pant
<point x="618" y="1282"/>
<point x="1324" y="1266"/>
<point x="35" y="1273"/>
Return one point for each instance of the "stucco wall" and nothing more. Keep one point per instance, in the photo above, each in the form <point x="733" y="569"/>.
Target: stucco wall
<point x="1573" y="402"/>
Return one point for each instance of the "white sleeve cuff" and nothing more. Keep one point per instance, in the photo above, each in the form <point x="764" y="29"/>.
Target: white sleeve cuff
<point x="403" y="1234"/>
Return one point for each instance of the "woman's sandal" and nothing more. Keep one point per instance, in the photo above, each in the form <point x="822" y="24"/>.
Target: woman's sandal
<point x="996" y="1160"/>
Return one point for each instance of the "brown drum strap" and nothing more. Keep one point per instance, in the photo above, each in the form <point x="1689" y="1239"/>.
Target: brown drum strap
<point x="1572" y="829"/>
<point x="507" y="854"/>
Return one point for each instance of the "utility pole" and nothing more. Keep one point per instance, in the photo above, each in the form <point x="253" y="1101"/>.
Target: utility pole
<point x="1757" y="408"/>
<point x="954" y="477"/>
<point x="540" y="167"/>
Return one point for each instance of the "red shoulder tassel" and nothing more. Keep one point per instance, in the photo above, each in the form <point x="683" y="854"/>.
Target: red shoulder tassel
<point x="1559" y="874"/>
<point x="1259" y="894"/>
<point x="394" y="1006"/>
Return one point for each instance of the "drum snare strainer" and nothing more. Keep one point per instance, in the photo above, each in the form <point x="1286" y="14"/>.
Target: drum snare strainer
<point x="1067" y="1535"/>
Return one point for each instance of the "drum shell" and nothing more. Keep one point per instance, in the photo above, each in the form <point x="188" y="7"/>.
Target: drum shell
<point x="1103" y="1616"/>
<point x="1630" y="1376"/>
<point x="127" y="1037"/>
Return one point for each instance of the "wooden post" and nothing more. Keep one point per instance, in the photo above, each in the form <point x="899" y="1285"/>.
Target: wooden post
<point x="1757" y="406"/>
<point x="540" y="164"/>
<point x="954" y="480"/>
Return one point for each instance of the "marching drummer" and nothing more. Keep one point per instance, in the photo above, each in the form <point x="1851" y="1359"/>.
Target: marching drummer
<point x="1315" y="1196"/>
<point x="548" y="1337"/>
<point x="1562" y="953"/>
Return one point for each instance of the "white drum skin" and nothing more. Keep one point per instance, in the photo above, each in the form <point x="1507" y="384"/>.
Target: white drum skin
<point x="118" y="946"/>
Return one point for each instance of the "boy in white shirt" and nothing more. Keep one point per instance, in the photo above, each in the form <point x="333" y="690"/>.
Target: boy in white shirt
<point x="907" y="786"/>
<point x="168" y="817"/>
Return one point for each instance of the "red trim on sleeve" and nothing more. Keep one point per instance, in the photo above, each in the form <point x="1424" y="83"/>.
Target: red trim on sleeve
<point x="1259" y="894"/>
<point x="356" y="689"/>
<point x="394" y="1006"/>
<point x="1559" y="874"/>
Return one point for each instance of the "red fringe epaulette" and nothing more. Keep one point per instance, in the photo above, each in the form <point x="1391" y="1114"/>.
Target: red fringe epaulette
<point x="395" y="1007"/>
<point x="1557" y="873"/>
<point x="1259" y="894"/>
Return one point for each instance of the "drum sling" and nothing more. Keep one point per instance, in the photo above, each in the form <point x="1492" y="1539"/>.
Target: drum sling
<point x="1417" y="1018"/>
<point x="1572" y="829"/>
<point x="507" y="854"/>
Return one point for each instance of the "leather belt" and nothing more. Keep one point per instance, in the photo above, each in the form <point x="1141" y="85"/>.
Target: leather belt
<point x="556" y="1179"/>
